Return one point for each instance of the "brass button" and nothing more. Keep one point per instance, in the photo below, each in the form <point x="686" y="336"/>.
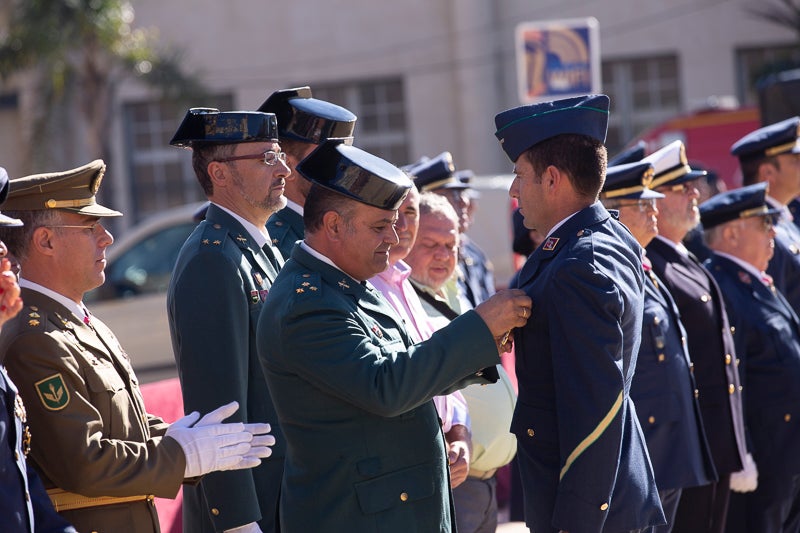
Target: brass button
<point x="16" y="455"/>
<point x="604" y="507"/>
<point x="696" y="393"/>
<point x="661" y="357"/>
<point x="740" y="388"/>
<point x="656" y="320"/>
<point x="787" y="417"/>
<point x="403" y="496"/>
<point x="738" y="362"/>
<point x="728" y="358"/>
<point x="530" y="432"/>
<point x="652" y="420"/>
<point x="215" y="511"/>
<point x="731" y="389"/>
<point x="691" y="368"/>
<point x="704" y="298"/>
<point x="683" y="340"/>
<point x="27" y="496"/>
<point x="733" y="330"/>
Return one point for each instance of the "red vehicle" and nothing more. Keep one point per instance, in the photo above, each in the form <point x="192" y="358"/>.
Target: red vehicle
<point x="708" y="136"/>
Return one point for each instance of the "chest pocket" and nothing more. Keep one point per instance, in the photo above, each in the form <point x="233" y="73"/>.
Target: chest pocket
<point x="109" y="395"/>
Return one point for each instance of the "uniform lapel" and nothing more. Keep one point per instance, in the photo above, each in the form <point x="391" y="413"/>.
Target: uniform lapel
<point x="558" y="240"/>
<point x="243" y="240"/>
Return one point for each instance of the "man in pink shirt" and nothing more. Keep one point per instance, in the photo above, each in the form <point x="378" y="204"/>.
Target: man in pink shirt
<point x="394" y="285"/>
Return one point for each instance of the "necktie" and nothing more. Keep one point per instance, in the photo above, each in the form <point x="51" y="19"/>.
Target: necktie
<point x="767" y="279"/>
<point x="274" y="256"/>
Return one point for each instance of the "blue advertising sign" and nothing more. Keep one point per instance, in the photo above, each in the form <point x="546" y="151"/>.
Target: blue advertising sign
<point x="557" y="59"/>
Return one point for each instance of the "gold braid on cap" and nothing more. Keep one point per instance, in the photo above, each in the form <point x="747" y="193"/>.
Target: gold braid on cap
<point x="647" y="179"/>
<point x="761" y="210"/>
<point x="56" y="204"/>
<point x="781" y="148"/>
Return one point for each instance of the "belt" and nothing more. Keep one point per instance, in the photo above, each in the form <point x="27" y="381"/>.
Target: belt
<point x="482" y="475"/>
<point x="69" y="501"/>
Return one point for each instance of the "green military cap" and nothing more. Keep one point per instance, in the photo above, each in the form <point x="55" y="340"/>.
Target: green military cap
<point x="71" y="190"/>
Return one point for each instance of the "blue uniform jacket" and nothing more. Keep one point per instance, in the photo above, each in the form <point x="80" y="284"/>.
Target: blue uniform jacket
<point x="711" y="349"/>
<point x="24" y="505"/>
<point x="286" y="227"/>
<point x="664" y="393"/>
<point x="582" y="456"/>
<point x="216" y="291"/>
<point x="477" y="277"/>
<point x="784" y="267"/>
<point x="365" y="450"/>
<point x="767" y="336"/>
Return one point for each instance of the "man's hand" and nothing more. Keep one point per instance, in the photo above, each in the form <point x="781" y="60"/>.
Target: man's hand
<point x="505" y="310"/>
<point x="211" y="445"/>
<point x="10" y="302"/>
<point x="459" y="448"/>
<point x="746" y="480"/>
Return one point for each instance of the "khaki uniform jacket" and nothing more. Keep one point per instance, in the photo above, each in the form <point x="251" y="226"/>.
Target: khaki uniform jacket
<point x="91" y="434"/>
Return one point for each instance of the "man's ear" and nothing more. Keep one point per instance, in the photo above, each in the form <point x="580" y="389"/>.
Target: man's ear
<point x="42" y="240"/>
<point x="552" y="177"/>
<point x="333" y="225"/>
<point x="217" y="173"/>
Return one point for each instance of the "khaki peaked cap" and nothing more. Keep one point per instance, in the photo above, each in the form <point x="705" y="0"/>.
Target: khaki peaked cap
<point x="71" y="190"/>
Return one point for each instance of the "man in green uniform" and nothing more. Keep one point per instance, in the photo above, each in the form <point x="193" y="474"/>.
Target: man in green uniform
<point x="222" y="275"/>
<point x="100" y="455"/>
<point x="365" y="450"/>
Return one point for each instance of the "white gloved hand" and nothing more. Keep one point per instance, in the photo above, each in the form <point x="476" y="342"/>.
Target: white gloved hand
<point x="252" y="527"/>
<point x="209" y="445"/>
<point x="746" y="480"/>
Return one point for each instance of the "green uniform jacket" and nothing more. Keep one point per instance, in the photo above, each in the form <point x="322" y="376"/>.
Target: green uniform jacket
<point x="216" y="292"/>
<point x="365" y="451"/>
<point x="286" y="228"/>
<point x="90" y="432"/>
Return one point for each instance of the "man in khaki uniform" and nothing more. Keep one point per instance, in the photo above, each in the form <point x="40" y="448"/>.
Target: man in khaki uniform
<point x="99" y="453"/>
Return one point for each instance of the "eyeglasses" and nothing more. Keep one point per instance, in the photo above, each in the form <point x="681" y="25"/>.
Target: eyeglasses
<point x="270" y="158"/>
<point x="766" y="222"/>
<point x="91" y="227"/>
<point x="684" y="188"/>
<point x="644" y="205"/>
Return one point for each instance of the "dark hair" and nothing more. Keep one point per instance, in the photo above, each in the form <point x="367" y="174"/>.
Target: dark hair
<point x="202" y="155"/>
<point x="750" y="166"/>
<point x="581" y="157"/>
<point x="17" y="239"/>
<point x="321" y="200"/>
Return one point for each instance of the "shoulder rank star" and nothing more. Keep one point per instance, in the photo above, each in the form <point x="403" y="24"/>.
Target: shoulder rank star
<point x="343" y="284"/>
<point x="241" y="239"/>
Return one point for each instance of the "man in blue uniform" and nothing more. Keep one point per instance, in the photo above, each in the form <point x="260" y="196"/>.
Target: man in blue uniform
<point x="663" y="386"/>
<point x="24" y="504"/>
<point x="738" y="227"/>
<point x="772" y="155"/>
<point x="221" y="278"/>
<point x="582" y="457"/>
<point x="365" y="450"/>
<point x="711" y="347"/>
<point x="304" y="123"/>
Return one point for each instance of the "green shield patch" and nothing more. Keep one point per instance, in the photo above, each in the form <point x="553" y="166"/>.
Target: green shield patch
<point x="53" y="393"/>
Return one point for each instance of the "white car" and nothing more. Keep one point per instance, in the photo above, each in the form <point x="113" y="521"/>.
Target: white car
<point x="133" y="300"/>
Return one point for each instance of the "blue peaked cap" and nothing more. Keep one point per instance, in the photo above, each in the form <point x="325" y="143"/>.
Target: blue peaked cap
<point x="522" y="127"/>
<point x="744" y="202"/>
<point x="780" y="138"/>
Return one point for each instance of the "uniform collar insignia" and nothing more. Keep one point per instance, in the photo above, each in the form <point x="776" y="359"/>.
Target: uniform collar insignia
<point x="550" y="244"/>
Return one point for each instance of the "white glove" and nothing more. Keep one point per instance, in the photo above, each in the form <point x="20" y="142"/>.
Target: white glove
<point x="252" y="527"/>
<point x="746" y="480"/>
<point x="210" y="445"/>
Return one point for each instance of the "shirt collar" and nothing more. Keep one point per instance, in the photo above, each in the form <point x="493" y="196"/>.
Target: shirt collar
<point x="259" y="235"/>
<point x="294" y="206"/>
<point x="78" y="309"/>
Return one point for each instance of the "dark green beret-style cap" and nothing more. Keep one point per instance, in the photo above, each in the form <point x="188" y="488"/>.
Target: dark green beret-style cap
<point x="356" y="174"/>
<point x="206" y="125"/>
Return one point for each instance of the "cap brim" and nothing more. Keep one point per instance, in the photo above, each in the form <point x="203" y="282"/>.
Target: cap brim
<point x="95" y="210"/>
<point x="649" y="193"/>
<point x="689" y="176"/>
<point x="796" y="149"/>
<point x="10" y="222"/>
